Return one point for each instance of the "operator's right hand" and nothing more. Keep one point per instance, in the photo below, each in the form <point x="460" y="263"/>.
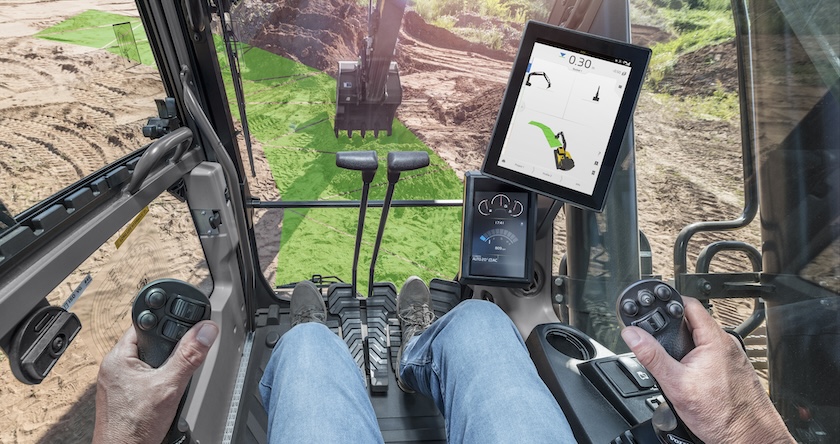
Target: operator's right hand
<point x="714" y="389"/>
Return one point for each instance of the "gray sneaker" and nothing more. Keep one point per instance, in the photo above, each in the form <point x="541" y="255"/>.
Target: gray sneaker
<point x="307" y="304"/>
<point x="414" y="308"/>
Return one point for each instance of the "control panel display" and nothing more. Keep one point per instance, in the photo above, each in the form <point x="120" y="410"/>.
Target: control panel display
<point x="498" y="232"/>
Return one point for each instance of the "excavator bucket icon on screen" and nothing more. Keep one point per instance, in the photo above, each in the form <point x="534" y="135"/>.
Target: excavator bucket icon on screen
<point x="557" y="141"/>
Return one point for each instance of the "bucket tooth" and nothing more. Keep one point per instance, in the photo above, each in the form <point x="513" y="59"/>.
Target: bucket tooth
<point x="350" y="133"/>
<point x="375" y="133"/>
<point x="363" y="133"/>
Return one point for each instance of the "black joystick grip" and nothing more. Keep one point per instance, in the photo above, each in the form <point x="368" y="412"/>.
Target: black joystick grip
<point x="657" y="308"/>
<point x="163" y="312"/>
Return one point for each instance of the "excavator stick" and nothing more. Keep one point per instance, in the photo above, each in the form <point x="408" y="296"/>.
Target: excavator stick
<point x="368" y="90"/>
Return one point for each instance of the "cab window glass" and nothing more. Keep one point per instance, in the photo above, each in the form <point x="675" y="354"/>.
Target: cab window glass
<point x="77" y="87"/>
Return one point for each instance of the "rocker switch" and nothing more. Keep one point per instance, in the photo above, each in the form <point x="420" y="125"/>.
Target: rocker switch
<point x="186" y="310"/>
<point x="653" y="322"/>
<point x="636" y="372"/>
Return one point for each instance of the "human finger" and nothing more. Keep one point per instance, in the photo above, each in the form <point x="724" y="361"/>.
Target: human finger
<point x="650" y="353"/>
<point x="704" y="329"/>
<point x="191" y="351"/>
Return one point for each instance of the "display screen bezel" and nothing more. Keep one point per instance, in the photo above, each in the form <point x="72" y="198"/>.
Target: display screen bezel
<point x="475" y="181"/>
<point x="601" y="47"/>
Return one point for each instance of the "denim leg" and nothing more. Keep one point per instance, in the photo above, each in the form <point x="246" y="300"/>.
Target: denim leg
<point x="314" y="392"/>
<point x="474" y="364"/>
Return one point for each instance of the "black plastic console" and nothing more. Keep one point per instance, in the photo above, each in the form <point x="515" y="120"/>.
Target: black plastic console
<point x="601" y="393"/>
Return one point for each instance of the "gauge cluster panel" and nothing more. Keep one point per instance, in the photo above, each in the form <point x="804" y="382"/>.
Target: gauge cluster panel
<point x="497" y="237"/>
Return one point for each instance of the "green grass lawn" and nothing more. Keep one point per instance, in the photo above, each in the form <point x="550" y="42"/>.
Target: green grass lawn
<point x="290" y="109"/>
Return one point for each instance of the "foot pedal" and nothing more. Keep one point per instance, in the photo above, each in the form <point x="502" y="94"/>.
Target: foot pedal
<point x="382" y="303"/>
<point x="445" y="295"/>
<point x="343" y="303"/>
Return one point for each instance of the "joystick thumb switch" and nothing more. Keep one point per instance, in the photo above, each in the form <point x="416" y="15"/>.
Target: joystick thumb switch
<point x="646" y="298"/>
<point x="187" y="310"/>
<point x="156" y="298"/>
<point x="147" y="320"/>
<point x="675" y="309"/>
<point x="662" y="292"/>
<point x="630" y="308"/>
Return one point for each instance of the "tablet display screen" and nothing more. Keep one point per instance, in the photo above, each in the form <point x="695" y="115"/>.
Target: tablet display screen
<point x="564" y="115"/>
<point x="566" y="110"/>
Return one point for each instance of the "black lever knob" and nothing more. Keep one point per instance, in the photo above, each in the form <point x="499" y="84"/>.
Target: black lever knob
<point x="364" y="161"/>
<point x="399" y="161"/>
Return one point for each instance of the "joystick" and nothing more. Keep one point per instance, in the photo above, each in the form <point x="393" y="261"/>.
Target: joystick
<point x="163" y="312"/>
<point x="657" y="308"/>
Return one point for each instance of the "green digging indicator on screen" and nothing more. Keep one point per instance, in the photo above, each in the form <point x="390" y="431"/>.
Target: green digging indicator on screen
<point x="562" y="158"/>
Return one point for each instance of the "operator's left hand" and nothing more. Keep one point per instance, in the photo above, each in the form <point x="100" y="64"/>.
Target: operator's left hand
<point x="136" y="403"/>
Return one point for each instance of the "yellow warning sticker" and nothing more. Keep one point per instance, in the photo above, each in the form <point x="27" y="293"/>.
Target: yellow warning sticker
<point x="131" y="226"/>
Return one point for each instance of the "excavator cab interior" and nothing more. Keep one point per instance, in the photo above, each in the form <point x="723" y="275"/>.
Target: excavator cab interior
<point x="555" y="261"/>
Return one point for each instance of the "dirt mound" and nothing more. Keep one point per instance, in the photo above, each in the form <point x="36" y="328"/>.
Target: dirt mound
<point x="479" y="113"/>
<point x="703" y="72"/>
<point x="416" y="28"/>
<point x="648" y="35"/>
<point x="316" y="33"/>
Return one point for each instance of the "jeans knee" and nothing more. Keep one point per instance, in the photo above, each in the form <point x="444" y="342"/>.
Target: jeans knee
<point x="308" y="331"/>
<point x="476" y="318"/>
<point x="304" y="339"/>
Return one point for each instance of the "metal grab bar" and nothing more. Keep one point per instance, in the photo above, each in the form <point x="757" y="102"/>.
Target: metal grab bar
<point x="704" y="259"/>
<point x="351" y="203"/>
<point x="745" y="69"/>
<point x="179" y="138"/>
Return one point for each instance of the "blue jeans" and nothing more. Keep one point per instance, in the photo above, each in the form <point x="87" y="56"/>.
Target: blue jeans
<point x="472" y="362"/>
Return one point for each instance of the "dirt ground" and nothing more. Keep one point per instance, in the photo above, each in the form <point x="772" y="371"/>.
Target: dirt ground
<point x="67" y="110"/>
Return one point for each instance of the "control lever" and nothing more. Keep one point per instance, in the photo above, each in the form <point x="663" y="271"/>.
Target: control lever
<point x="398" y="161"/>
<point x="367" y="163"/>
<point x="163" y="312"/>
<point x="657" y="308"/>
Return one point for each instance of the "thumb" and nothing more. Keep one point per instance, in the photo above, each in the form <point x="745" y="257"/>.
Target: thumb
<point x="191" y="351"/>
<point x="650" y="353"/>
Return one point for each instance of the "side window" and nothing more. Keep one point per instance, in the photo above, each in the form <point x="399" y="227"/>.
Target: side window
<point x="71" y="101"/>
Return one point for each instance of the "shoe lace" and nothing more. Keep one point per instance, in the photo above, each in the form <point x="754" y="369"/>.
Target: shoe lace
<point x="417" y="315"/>
<point x="309" y="315"/>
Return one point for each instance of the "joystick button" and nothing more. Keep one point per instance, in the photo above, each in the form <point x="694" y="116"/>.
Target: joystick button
<point x="189" y="311"/>
<point x="147" y="320"/>
<point x="675" y="309"/>
<point x="662" y="292"/>
<point x="646" y="298"/>
<point x="630" y="308"/>
<point x="174" y="330"/>
<point x="156" y="299"/>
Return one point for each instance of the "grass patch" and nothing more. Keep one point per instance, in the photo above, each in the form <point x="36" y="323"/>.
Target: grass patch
<point x="694" y="28"/>
<point x="291" y="108"/>
<point x="491" y="37"/>
<point x="95" y="29"/>
<point x="719" y="106"/>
